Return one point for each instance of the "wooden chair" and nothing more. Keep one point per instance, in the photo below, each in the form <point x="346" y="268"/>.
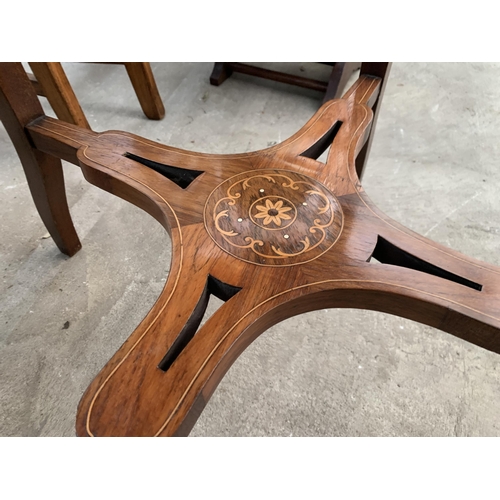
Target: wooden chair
<point x="273" y="233"/>
<point x="332" y="89"/>
<point x="50" y="81"/>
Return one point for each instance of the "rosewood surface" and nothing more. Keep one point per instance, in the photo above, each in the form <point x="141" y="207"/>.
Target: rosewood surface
<point x="273" y="233"/>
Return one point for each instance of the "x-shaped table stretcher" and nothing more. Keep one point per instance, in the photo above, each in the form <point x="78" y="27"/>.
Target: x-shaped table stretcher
<point x="273" y="233"/>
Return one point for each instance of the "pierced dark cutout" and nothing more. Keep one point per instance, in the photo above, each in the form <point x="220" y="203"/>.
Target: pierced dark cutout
<point x="181" y="176"/>
<point x="215" y="287"/>
<point x="387" y="253"/>
<point x="320" y="146"/>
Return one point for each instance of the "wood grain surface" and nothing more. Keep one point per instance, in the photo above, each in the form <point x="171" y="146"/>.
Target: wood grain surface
<point x="228" y="216"/>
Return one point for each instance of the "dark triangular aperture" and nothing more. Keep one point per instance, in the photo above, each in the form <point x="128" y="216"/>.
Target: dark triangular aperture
<point x="181" y="176"/>
<point x="214" y="288"/>
<point x="386" y="252"/>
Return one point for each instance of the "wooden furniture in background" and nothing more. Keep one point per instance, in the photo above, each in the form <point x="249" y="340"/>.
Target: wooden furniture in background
<point x="49" y="80"/>
<point x="333" y="88"/>
<point x="272" y="233"/>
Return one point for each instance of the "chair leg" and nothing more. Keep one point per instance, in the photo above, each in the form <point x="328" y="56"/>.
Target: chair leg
<point x="382" y="71"/>
<point x="19" y="106"/>
<point x="145" y="87"/>
<point x="341" y="73"/>
<point x="220" y="73"/>
<point x="46" y="182"/>
<point x="59" y="93"/>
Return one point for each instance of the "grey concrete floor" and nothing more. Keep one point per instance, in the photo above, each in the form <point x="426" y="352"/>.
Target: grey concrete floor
<point x="434" y="166"/>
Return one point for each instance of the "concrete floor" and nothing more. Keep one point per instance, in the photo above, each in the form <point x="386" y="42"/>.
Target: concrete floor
<point x="434" y="167"/>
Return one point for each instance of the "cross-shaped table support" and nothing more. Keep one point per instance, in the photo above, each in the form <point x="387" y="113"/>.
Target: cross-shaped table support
<point x="273" y="233"/>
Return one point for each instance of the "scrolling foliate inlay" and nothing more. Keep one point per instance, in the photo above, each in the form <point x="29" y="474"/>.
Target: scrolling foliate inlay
<point x="273" y="217"/>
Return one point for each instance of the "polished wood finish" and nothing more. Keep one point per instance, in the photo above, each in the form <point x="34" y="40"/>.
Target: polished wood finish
<point x="379" y="70"/>
<point x="58" y="91"/>
<point x="50" y="80"/>
<point x="36" y="85"/>
<point x="43" y="172"/>
<point x="144" y="84"/>
<point x="341" y="73"/>
<point x="228" y="231"/>
<point x="332" y="89"/>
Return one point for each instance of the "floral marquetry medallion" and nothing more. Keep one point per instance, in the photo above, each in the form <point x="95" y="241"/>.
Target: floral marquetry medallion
<point x="273" y="217"/>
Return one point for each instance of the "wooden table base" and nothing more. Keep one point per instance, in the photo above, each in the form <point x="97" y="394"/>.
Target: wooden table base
<point x="272" y="233"/>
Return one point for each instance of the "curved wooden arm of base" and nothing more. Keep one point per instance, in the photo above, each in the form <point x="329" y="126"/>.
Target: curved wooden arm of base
<point x="272" y="233"/>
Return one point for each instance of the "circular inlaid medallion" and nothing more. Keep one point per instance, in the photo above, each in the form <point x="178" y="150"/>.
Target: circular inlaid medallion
<point x="273" y="217"/>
